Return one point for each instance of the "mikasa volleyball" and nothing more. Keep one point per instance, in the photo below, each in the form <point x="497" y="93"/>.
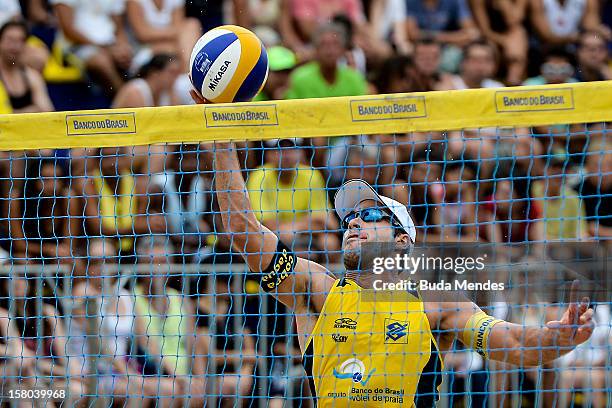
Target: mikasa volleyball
<point x="228" y="64"/>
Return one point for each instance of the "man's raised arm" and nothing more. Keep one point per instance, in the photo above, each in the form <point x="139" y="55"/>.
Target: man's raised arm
<point x="294" y="281"/>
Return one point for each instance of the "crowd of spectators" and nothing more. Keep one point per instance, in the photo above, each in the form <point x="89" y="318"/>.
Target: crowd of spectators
<point x="95" y="211"/>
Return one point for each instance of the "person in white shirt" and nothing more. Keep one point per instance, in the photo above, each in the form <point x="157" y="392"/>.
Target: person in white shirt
<point x="161" y="25"/>
<point x="94" y="32"/>
<point x="560" y="22"/>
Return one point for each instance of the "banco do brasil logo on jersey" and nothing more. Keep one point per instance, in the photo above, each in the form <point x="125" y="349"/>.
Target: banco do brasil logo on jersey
<point x="345" y="323"/>
<point x="396" y="331"/>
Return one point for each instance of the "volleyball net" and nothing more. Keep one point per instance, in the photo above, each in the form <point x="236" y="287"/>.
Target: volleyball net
<point x="119" y="285"/>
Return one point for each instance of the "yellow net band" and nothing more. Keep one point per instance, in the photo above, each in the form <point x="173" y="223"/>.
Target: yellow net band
<point x="431" y="111"/>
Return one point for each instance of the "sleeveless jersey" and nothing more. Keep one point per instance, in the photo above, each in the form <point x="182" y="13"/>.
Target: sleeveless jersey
<point x="369" y="352"/>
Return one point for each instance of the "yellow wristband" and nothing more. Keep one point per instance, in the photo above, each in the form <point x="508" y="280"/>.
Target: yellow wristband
<point x="476" y="332"/>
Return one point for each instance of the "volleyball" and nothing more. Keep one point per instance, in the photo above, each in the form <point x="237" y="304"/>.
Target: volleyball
<point x="228" y="64"/>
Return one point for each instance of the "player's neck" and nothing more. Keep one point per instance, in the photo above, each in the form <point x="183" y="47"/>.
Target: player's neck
<point x="366" y="278"/>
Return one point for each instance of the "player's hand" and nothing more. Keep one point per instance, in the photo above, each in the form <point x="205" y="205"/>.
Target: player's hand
<point x="197" y="98"/>
<point x="576" y="325"/>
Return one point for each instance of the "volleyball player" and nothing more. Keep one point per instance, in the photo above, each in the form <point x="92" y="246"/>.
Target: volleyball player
<point x="383" y="352"/>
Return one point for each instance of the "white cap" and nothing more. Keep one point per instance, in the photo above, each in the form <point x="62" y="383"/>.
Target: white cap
<point x="354" y="192"/>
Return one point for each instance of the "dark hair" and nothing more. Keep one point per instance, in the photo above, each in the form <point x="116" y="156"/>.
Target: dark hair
<point x="14" y="24"/>
<point x="344" y="21"/>
<point x="427" y="40"/>
<point x="159" y="62"/>
<point x="393" y="67"/>
<point x="558" y="52"/>
<point x="481" y="43"/>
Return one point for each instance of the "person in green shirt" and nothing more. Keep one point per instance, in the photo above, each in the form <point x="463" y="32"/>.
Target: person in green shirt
<point x="281" y="62"/>
<point x="325" y="76"/>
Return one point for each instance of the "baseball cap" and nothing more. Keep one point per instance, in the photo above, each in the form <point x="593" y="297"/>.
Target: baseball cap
<point x="355" y="191"/>
<point x="281" y="58"/>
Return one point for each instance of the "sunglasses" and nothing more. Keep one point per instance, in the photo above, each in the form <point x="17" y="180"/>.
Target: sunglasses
<point x="369" y="215"/>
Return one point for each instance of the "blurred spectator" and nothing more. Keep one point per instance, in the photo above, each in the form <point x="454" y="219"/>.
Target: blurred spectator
<point x="26" y="88"/>
<point x="518" y="217"/>
<point x="478" y="67"/>
<point x="261" y="16"/>
<point x="398" y="75"/>
<point x="164" y="325"/>
<point x="556" y="68"/>
<point x="501" y="22"/>
<point x="154" y="86"/>
<point x="596" y="188"/>
<point x="455" y="202"/>
<point x="281" y="62"/>
<point x="387" y="22"/>
<point x="563" y="215"/>
<point x="183" y="195"/>
<point x="40" y="222"/>
<point x="301" y="19"/>
<point x="427" y="59"/>
<point x="592" y="56"/>
<point x="114" y="325"/>
<point x="112" y="194"/>
<point x="95" y="32"/>
<point x="448" y="22"/>
<point x="290" y="198"/>
<point x="324" y="77"/>
<point x="220" y="324"/>
<point x="162" y="26"/>
<point x="42" y="332"/>
<point x="212" y="13"/>
<point x="559" y="22"/>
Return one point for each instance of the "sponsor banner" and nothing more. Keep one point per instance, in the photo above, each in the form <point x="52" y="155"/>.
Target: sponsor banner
<point x="386" y="108"/>
<point x="244" y="115"/>
<point x="101" y="124"/>
<point x="534" y="100"/>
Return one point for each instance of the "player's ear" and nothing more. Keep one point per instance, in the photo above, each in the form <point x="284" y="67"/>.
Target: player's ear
<point x="403" y="240"/>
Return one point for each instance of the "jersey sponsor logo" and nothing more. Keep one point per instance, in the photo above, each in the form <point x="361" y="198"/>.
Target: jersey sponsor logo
<point x="354" y="369"/>
<point x="480" y="346"/>
<point x="237" y="116"/>
<point x="100" y="124"/>
<point x="339" y="338"/>
<point x="283" y="265"/>
<point x="534" y="100"/>
<point x="345" y="323"/>
<point x="396" y="331"/>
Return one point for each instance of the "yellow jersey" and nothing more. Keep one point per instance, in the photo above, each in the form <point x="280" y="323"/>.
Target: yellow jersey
<point x="367" y="352"/>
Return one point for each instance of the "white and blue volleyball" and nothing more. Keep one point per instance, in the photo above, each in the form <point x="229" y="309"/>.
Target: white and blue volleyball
<point x="228" y="64"/>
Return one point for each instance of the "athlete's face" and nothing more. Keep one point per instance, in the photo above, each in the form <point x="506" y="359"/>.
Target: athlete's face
<point x="359" y="231"/>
